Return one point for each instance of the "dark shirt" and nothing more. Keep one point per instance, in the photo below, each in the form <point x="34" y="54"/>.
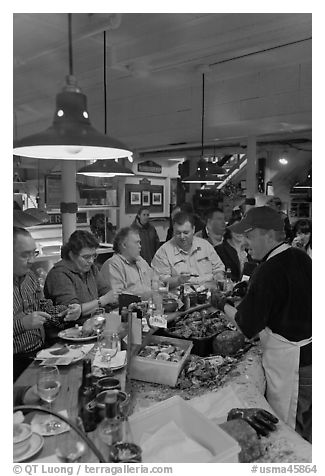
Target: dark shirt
<point x="149" y="240"/>
<point x="65" y="284"/>
<point x="279" y="296"/>
<point x="229" y="257"/>
<point x="26" y="297"/>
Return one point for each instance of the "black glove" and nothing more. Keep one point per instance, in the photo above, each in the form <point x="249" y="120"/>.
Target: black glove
<point x="262" y="421"/>
<point x="240" y="289"/>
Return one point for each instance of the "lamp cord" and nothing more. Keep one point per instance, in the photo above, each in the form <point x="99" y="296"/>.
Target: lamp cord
<point x="202" y="118"/>
<point x="105" y="86"/>
<point x="70" y="44"/>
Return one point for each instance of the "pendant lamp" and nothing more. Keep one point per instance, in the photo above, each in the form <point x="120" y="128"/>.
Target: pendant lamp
<point x="305" y="185"/>
<point x="206" y="171"/>
<point x="71" y="135"/>
<point x="105" y="168"/>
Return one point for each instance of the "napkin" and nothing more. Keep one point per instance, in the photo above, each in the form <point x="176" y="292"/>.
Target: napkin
<point x="170" y="444"/>
<point x="216" y="405"/>
<point x="40" y="420"/>
<point x="73" y="354"/>
<point x="117" y="361"/>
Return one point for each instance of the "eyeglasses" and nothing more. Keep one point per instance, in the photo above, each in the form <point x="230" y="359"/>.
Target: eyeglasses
<point x="29" y="254"/>
<point x="89" y="257"/>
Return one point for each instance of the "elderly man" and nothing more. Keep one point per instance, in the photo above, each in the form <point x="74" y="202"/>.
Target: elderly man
<point x="278" y="307"/>
<point x="215" y="227"/>
<point x="28" y="331"/>
<point x="187" y="258"/>
<point x="126" y="271"/>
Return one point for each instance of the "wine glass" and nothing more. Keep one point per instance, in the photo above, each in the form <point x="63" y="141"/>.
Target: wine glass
<point x="48" y="387"/>
<point x="71" y="448"/>
<point x="108" y="346"/>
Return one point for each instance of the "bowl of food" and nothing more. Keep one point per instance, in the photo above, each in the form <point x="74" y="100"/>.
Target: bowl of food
<point x="201" y="327"/>
<point x="22" y="434"/>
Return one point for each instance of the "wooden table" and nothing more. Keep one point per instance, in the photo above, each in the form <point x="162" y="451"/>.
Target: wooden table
<point x="285" y="445"/>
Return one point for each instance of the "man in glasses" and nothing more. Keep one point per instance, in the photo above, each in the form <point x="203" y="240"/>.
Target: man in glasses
<point x="28" y="320"/>
<point x="75" y="280"/>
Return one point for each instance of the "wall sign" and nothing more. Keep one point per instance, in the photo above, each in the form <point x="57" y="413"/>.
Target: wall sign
<point x="56" y="218"/>
<point x="150" y="167"/>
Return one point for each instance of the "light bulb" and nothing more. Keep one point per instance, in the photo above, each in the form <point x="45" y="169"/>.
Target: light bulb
<point x="73" y="150"/>
<point x="283" y="161"/>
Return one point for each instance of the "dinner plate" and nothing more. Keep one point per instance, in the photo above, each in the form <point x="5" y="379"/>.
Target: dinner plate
<point x="36" y="443"/>
<point x="67" y="334"/>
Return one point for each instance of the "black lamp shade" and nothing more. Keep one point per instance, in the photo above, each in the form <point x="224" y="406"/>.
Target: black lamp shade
<point x="206" y="172"/>
<point x="71" y="136"/>
<point x="105" y="168"/>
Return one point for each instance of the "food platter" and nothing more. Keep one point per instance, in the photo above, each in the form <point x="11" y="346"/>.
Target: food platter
<point x="74" y="334"/>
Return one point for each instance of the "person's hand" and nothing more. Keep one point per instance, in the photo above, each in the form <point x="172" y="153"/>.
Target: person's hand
<point x="240" y="289"/>
<point x="35" y="320"/>
<point x="73" y="312"/>
<point x="31" y="396"/>
<point x="297" y="242"/>
<point x="183" y="278"/>
<point x="218" y="299"/>
<point x="111" y="297"/>
<point x="261" y="420"/>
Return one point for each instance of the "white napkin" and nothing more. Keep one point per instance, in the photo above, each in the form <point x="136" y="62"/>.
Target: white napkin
<point x="40" y="421"/>
<point x="117" y="361"/>
<point x="171" y="445"/>
<point x="216" y="405"/>
<point x="73" y="354"/>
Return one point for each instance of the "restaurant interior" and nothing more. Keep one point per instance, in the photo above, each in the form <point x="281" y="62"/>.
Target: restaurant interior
<point x="113" y="112"/>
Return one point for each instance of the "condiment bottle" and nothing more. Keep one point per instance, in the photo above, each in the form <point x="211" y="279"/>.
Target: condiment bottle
<point x="87" y="402"/>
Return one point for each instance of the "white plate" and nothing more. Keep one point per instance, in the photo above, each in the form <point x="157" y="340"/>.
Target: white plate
<point x="64" y="359"/>
<point x="62" y="335"/>
<point x="36" y="443"/>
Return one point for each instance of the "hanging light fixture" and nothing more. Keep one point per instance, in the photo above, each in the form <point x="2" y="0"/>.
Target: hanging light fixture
<point x="71" y="135"/>
<point x="105" y="168"/>
<point x="305" y="185"/>
<point x="206" y="171"/>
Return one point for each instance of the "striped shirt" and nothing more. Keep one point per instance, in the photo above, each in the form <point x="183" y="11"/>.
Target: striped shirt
<point x="26" y="296"/>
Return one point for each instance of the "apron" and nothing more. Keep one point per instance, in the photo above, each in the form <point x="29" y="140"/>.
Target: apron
<point x="281" y="366"/>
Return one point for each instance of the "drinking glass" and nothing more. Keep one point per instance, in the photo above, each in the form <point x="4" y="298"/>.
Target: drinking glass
<point x="70" y="448"/>
<point x="108" y="345"/>
<point x="48" y="387"/>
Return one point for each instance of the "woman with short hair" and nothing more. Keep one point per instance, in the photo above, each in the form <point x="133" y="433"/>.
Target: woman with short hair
<point x="76" y="279"/>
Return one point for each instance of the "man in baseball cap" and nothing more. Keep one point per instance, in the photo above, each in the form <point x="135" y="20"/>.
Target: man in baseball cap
<point x="278" y="307"/>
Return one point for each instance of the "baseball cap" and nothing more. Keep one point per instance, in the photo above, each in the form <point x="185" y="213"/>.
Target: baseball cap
<point x="259" y="217"/>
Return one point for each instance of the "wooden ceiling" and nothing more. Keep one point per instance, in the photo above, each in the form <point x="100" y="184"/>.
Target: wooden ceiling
<point x="257" y="71"/>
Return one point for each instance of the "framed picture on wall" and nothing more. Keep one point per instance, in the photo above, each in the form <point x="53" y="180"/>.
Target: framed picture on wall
<point x="146" y="198"/>
<point x="135" y="198"/>
<point x="156" y="198"/>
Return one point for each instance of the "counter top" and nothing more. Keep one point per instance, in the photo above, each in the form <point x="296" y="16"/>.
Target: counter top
<point x="247" y="380"/>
